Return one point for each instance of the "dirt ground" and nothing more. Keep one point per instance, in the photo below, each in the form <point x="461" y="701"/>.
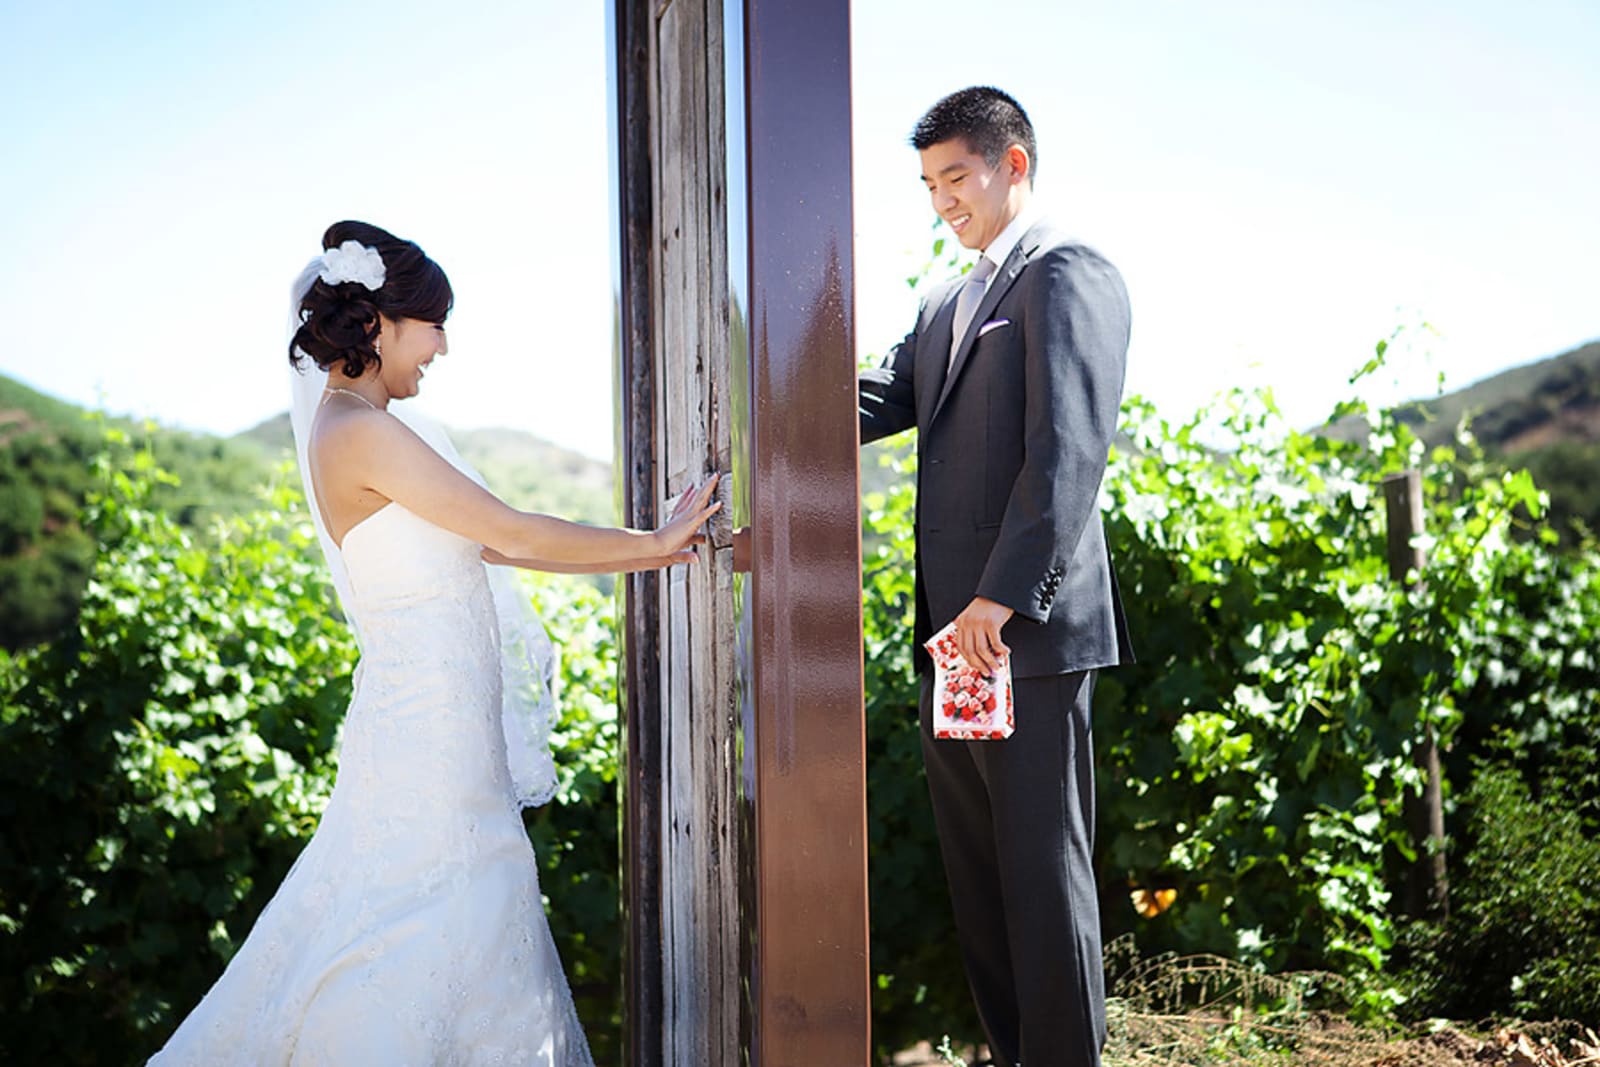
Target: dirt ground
<point x="1206" y="1011"/>
<point x="1550" y="1045"/>
<point x="1327" y="1041"/>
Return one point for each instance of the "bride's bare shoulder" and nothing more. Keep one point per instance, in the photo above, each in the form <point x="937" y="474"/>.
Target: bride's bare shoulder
<point x="352" y="431"/>
<point x="372" y="450"/>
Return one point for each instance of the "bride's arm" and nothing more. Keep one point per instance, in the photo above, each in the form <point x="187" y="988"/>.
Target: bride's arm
<point x="621" y="566"/>
<point x="382" y="454"/>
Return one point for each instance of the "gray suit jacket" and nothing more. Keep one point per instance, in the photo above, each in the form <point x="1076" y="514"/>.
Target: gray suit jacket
<point x="1012" y="445"/>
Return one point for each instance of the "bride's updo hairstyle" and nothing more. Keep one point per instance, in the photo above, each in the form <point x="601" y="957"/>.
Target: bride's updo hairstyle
<point x="339" y="322"/>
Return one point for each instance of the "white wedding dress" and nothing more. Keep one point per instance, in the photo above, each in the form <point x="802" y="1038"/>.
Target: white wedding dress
<point x="410" y="931"/>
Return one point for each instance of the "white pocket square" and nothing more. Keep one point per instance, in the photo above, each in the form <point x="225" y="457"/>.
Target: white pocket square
<point x="992" y="324"/>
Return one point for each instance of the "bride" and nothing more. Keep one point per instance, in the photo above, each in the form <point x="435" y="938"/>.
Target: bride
<point x="410" y="930"/>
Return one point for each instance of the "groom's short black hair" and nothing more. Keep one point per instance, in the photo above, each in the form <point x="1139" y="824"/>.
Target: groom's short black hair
<point x="988" y="120"/>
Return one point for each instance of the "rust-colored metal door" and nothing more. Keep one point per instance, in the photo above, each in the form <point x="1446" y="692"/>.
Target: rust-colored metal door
<point x="805" y="790"/>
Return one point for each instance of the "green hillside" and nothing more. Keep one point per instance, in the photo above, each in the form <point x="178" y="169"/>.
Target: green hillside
<point x="1524" y="409"/>
<point x="1542" y="416"/>
<point x="1516" y="412"/>
<point x="47" y="451"/>
<point x="22" y="406"/>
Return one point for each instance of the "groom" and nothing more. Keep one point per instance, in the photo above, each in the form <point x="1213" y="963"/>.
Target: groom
<point x="1013" y="378"/>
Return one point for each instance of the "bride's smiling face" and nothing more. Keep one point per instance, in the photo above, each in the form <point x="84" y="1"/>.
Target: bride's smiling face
<point x="409" y="345"/>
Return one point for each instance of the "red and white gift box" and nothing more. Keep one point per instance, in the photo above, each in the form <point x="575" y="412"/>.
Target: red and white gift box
<point x="968" y="705"/>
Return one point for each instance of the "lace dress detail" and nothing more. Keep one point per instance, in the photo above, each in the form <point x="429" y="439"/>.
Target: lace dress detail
<point x="411" y="929"/>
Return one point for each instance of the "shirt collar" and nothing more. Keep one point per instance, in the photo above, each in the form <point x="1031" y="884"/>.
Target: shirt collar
<point x="1002" y="245"/>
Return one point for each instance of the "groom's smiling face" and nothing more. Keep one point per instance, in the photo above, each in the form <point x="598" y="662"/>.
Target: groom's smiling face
<point x="976" y="200"/>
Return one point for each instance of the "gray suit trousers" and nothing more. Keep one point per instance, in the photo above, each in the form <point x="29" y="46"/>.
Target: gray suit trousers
<point x="1016" y="828"/>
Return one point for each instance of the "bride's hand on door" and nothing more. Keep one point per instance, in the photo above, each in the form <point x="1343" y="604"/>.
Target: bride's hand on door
<point x="682" y="528"/>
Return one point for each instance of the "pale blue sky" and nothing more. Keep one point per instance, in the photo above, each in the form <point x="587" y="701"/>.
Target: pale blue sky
<point x="1281" y="184"/>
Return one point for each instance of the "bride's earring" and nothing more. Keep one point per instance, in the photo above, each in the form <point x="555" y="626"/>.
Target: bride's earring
<point x="377" y="347"/>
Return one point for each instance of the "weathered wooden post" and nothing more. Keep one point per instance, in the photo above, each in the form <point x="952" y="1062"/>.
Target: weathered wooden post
<point x="744" y="788"/>
<point x="681" y="771"/>
<point x="1428" y="889"/>
<point x="640" y="684"/>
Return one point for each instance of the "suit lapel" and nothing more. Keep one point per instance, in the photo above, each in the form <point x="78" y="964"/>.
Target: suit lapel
<point x="1003" y="280"/>
<point x="933" y="357"/>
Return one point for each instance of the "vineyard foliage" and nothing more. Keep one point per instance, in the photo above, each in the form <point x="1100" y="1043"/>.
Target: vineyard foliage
<point x="162" y="765"/>
<point x="163" y="762"/>
<point x="1258" y="758"/>
<point x="1255" y="762"/>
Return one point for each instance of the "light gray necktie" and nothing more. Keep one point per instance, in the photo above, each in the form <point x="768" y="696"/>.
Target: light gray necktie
<point x="967" y="301"/>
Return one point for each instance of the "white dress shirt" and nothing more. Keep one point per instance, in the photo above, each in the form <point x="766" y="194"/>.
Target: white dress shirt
<point x="1007" y="238"/>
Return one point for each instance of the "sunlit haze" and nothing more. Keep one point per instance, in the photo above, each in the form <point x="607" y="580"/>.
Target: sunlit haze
<point x="1281" y="185"/>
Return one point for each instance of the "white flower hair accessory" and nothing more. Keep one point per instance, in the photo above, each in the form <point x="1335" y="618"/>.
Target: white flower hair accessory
<point x="353" y="261"/>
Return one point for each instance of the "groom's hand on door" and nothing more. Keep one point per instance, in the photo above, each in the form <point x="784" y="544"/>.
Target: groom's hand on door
<point x="978" y="633"/>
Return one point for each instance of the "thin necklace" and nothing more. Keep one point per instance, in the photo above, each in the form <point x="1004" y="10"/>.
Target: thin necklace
<point x="348" y="392"/>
